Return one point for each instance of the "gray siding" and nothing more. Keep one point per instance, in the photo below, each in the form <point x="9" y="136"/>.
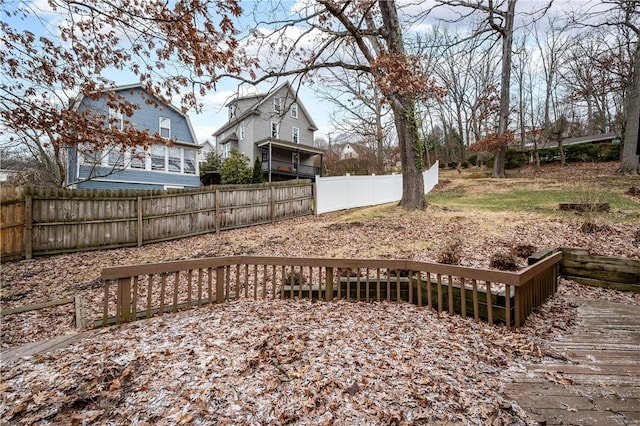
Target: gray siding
<point x="287" y="123"/>
<point x="258" y="126"/>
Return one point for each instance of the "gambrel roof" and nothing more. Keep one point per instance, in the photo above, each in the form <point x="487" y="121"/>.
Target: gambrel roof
<point x="138" y="86"/>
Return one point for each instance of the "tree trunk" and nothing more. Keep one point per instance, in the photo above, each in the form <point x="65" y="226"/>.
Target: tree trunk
<point x="412" y="181"/>
<point x="505" y="81"/>
<point x="405" y="118"/>
<point x="631" y="145"/>
<point x="379" y="138"/>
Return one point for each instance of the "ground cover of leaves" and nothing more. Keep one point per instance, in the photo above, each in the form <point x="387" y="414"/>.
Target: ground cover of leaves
<point x="277" y="362"/>
<point x="297" y="361"/>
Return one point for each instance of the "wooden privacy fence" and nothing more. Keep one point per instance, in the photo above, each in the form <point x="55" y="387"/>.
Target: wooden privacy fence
<point x="42" y="221"/>
<point x="141" y="291"/>
<point x="11" y="222"/>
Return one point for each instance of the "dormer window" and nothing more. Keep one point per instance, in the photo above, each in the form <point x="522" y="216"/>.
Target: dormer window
<point x="232" y="111"/>
<point x="165" y="127"/>
<point x="277" y="105"/>
<point x="294" y="110"/>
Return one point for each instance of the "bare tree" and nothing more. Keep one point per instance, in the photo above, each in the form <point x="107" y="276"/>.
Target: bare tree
<point x="501" y="22"/>
<point x="362" y="110"/>
<point x="622" y="16"/>
<point x="373" y="28"/>
<point x="551" y="47"/>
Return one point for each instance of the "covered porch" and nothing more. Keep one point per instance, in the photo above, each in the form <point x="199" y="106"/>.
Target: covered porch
<point x="282" y="160"/>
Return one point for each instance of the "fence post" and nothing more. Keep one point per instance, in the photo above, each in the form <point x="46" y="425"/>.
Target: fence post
<point x="314" y="193"/>
<point x="139" y="221"/>
<point x="219" y="285"/>
<point x="28" y="227"/>
<point x="124" y="300"/>
<point x="329" y="286"/>
<point x="518" y="305"/>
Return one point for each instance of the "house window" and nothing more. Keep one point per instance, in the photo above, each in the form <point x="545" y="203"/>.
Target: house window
<point x="190" y="161"/>
<point x="241" y="132"/>
<point x="294" y="110"/>
<point x="232" y="111"/>
<point x="165" y="127"/>
<point x="115" y="157"/>
<point x="174" y="159"/>
<point x="226" y="150"/>
<point x="295" y="160"/>
<point x="158" y="157"/>
<point x="295" y="135"/>
<point x="116" y="119"/>
<point x="139" y="158"/>
<point x="277" y="106"/>
<point x="91" y="156"/>
<point x="275" y="129"/>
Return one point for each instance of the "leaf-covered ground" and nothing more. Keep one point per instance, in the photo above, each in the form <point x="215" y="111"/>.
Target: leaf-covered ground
<point x="440" y="232"/>
<point x="277" y="362"/>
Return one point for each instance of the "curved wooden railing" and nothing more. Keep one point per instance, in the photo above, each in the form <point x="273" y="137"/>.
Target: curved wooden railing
<point x="141" y="291"/>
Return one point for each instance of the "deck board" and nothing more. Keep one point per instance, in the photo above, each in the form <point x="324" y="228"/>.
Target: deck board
<point x="600" y="382"/>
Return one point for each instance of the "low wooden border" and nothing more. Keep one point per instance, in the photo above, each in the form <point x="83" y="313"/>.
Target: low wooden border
<point x="182" y="284"/>
<point x="79" y="308"/>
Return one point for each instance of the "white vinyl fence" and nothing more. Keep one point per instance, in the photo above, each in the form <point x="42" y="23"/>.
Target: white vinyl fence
<point x="346" y="192"/>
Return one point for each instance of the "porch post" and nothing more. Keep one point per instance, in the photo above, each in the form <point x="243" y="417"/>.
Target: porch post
<point x="269" y="161"/>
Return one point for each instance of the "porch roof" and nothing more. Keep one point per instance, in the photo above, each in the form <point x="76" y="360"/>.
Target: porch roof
<point x="290" y="145"/>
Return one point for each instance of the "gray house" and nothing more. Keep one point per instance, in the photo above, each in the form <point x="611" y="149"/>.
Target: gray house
<point x="162" y="166"/>
<point x="275" y="128"/>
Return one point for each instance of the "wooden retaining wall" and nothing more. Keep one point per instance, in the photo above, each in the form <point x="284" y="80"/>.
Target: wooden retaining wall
<point x="42" y="221"/>
<point x="580" y="265"/>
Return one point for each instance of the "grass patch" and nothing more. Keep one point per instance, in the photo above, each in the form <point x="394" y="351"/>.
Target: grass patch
<point x="537" y="201"/>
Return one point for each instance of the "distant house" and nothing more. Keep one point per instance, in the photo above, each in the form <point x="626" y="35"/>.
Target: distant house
<point x="592" y="139"/>
<point x="162" y="166"/>
<point x="206" y="148"/>
<point x="277" y="129"/>
<point x="356" y="151"/>
<point x="6" y="174"/>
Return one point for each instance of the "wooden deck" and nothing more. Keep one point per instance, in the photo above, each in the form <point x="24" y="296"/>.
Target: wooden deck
<point x="599" y="383"/>
<point x="11" y="355"/>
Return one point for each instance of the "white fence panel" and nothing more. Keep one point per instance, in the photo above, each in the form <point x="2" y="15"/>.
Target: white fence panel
<point x="431" y="177"/>
<point x="347" y="192"/>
